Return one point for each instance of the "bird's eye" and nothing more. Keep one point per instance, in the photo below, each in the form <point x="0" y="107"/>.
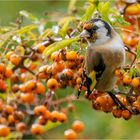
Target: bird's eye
<point x="95" y="27"/>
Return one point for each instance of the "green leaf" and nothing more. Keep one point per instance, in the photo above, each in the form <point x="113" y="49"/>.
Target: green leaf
<point x="65" y="24"/>
<point x="71" y="6"/>
<point x="104" y="9"/>
<point x="51" y="125"/>
<point x="138" y="50"/>
<point x="134" y="72"/>
<point x="28" y="15"/>
<point x="46" y="33"/>
<point x="58" y="45"/>
<point x="120" y="20"/>
<point x="88" y="14"/>
<point x="26" y="29"/>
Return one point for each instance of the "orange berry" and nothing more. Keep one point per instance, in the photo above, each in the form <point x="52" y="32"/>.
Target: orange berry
<point x="78" y="80"/>
<point x="8" y="73"/>
<point x="54" y="115"/>
<point x="37" y="129"/>
<point x="39" y="110"/>
<point x="42" y="120"/>
<point x="101" y="100"/>
<point x="3" y="120"/>
<point x="117" y="113"/>
<point x="30" y="85"/>
<point x="47" y="115"/>
<point x="40" y="48"/>
<point x="78" y="126"/>
<point x="126" y="114"/>
<point x="62" y="117"/>
<point x="135" y="82"/>
<point x="15" y="59"/>
<point x="126" y="79"/>
<point x="40" y="88"/>
<point x="4" y="130"/>
<point x="9" y="109"/>
<point x="27" y="98"/>
<point x="3" y="86"/>
<point x="56" y="56"/>
<point x="96" y="106"/>
<point x="70" y="134"/>
<point x="59" y="66"/>
<point x="8" y="55"/>
<point x="72" y="55"/>
<point x="11" y="119"/>
<point x="118" y="73"/>
<point x="2" y="68"/>
<point x="20" y="127"/>
<point x="52" y="84"/>
<point x="133" y="9"/>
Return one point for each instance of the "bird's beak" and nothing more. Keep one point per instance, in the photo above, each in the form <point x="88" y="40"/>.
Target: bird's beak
<point x="84" y="34"/>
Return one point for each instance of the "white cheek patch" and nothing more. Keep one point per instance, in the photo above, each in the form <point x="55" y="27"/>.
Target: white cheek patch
<point x="101" y="32"/>
<point x="99" y="24"/>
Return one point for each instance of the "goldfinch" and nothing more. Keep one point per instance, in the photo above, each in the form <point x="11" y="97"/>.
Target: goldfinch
<point x="105" y="53"/>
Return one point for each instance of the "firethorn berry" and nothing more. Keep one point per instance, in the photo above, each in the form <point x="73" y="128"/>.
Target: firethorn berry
<point x="11" y="119"/>
<point x="95" y="105"/>
<point x="101" y="100"/>
<point x="9" y="109"/>
<point x="8" y="73"/>
<point x="78" y="126"/>
<point x="15" y="59"/>
<point x="126" y="114"/>
<point x="3" y="86"/>
<point x="26" y="98"/>
<point x="133" y="9"/>
<point x="70" y="134"/>
<point x="47" y="115"/>
<point x="71" y="55"/>
<point x="62" y="117"/>
<point x="15" y="88"/>
<point x="52" y="84"/>
<point x="19" y="115"/>
<point x="118" y="73"/>
<point x="20" y="127"/>
<point x="3" y="120"/>
<point x="135" y="82"/>
<point x="30" y="85"/>
<point x="107" y="108"/>
<point x="59" y="66"/>
<point x="37" y="129"/>
<point x="56" y="56"/>
<point x="39" y="110"/>
<point x="54" y="115"/>
<point x="8" y="55"/>
<point x="117" y="113"/>
<point x="1" y="105"/>
<point x="40" y="48"/>
<point x="42" y="120"/>
<point x="40" y="88"/>
<point x="4" y="130"/>
<point x="126" y="79"/>
<point x="2" y="68"/>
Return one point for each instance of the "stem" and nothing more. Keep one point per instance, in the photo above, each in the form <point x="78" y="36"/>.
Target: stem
<point x="29" y="70"/>
<point x="132" y="52"/>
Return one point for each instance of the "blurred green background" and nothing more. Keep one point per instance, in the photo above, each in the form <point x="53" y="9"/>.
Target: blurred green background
<point x="98" y="125"/>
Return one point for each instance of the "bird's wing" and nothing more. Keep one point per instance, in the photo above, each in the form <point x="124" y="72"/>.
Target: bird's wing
<point x="95" y="66"/>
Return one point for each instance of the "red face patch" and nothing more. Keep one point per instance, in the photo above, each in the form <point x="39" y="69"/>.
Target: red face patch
<point x="88" y="25"/>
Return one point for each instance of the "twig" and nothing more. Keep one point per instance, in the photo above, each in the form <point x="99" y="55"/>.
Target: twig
<point x="132" y="52"/>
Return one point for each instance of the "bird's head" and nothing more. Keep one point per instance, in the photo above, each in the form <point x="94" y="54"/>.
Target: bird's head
<point x="96" y="31"/>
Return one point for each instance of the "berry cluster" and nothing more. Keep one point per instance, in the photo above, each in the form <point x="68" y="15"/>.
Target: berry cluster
<point x="29" y="81"/>
<point x="77" y="127"/>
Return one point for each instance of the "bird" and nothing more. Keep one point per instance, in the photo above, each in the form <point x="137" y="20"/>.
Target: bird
<point x="105" y="53"/>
